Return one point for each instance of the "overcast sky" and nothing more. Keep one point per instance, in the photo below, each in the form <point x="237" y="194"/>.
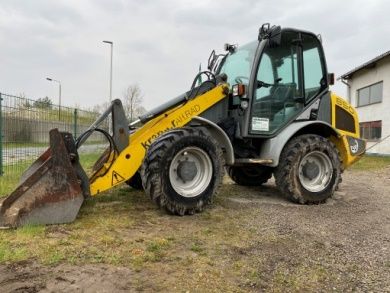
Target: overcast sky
<point x="159" y="44"/>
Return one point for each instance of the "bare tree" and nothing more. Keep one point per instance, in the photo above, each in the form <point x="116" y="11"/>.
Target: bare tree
<point x="100" y="108"/>
<point x="43" y="103"/>
<point x="132" y="102"/>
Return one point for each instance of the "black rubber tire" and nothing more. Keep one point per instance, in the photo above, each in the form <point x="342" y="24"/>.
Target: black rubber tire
<point x="286" y="174"/>
<point x="135" y="181"/>
<point x="250" y="175"/>
<point x="155" y="170"/>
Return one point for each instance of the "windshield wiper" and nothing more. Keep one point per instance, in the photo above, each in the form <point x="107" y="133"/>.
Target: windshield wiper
<point x="261" y="83"/>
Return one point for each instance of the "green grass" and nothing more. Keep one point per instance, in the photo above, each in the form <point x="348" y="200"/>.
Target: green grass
<point x="11" y="176"/>
<point x="67" y="115"/>
<point x="371" y="163"/>
<point x="12" y="173"/>
<point x="93" y="238"/>
<point x="88" y="160"/>
<point x="14" y="145"/>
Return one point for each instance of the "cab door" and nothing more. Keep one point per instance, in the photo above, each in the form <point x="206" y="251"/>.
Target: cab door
<point x="278" y="93"/>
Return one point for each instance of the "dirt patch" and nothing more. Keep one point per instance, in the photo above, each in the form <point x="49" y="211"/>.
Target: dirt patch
<point x="252" y="239"/>
<point x="30" y="277"/>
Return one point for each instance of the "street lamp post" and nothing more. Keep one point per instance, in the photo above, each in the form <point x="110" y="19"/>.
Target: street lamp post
<point x="112" y="45"/>
<point x="59" y="95"/>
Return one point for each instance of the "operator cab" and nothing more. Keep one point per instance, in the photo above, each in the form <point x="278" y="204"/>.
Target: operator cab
<point x="282" y="74"/>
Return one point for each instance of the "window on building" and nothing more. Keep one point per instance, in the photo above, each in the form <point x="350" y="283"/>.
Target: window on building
<point x="371" y="130"/>
<point x="370" y="95"/>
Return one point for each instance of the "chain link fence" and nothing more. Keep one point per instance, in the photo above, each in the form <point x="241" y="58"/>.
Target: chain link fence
<point x="24" y="133"/>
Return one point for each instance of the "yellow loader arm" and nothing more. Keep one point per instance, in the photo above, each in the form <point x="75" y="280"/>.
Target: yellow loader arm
<point x="127" y="163"/>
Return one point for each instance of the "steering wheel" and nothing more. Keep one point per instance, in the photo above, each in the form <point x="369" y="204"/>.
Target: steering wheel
<point x="239" y="79"/>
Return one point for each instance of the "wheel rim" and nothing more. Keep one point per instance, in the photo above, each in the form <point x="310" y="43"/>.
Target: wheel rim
<point x="315" y="171"/>
<point x="190" y="172"/>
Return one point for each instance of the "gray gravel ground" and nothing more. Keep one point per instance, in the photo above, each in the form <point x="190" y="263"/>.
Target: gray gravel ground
<point x="347" y="238"/>
<point x="252" y="239"/>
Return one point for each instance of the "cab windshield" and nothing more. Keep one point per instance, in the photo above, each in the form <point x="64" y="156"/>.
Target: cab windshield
<point x="237" y="66"/>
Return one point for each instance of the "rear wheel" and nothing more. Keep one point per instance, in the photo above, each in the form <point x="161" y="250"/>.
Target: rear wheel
<point x="183" y="170"/>
<point x="309" y="169"/>
<point x="250" y="175"/>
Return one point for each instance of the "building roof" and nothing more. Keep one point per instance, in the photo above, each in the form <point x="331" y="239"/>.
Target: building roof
<point x="367" y="64"/>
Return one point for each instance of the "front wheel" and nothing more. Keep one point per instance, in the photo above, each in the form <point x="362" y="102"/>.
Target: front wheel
<point x="135" y="181"/>
<point x="309" y="169"/>
<point x="183" y="170"/>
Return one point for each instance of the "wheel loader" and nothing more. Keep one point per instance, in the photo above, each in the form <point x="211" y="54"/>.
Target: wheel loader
<point x="260" y="109"/>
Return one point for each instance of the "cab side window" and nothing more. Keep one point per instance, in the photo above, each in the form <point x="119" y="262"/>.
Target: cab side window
<point x="313" y="71"/>
<point x="265" y="74"/>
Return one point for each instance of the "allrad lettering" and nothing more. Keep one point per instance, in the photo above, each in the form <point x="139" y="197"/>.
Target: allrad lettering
<point x="177" y="122"/>
<point x="185" y="115"/>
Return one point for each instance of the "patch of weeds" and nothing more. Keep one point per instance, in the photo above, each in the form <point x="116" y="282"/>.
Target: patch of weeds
<point x="138" y="263"/>
<point x="170" y="238"/>
<point x="109" y="241"/>
<point x="96" y="256"/>
<point x="10" y="253"/>
<point x="53" y="256"/>
<point x="187" y="261"/>
<point x="111" y="223"/>
<point x="207" y="231"/>
<point x="30" y="231"/>
<point x="156" y="249"/>
<point x="210" y="262"/>
<point x="302" y="278"/>
<point x="157" y="245"/>
<point x="253" y="277"/>
<point x="254" y="274"/>
<point x="198" y="248"/>
<point x="217" y="218"/>
<point x="64" y="242"/>
<point x="238" y="265"/>
<point x="114" y="258"/>
<point x="73" y="260"/>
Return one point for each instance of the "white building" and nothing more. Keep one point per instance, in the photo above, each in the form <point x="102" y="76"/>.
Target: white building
<point x="369" y="92"/>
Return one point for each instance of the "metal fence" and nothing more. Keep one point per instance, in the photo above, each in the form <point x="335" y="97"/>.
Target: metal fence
<point x="24" y="132"/>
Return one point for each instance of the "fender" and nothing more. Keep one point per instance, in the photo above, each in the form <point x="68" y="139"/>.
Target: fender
<point x="220" y="135"/>
<point x="272" y="148"/>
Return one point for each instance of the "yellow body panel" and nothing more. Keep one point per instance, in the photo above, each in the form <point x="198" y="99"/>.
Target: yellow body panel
<point x="341" y="141"/>
<point x="127" y="163"/>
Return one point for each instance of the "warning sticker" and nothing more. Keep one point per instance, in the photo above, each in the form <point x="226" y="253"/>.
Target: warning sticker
<point x="260" y="124"/>
<point x="116" y="178"/>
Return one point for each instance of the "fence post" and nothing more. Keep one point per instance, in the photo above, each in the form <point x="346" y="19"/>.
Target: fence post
<point x="1" y="136"/>
<point x="75" y="124"/>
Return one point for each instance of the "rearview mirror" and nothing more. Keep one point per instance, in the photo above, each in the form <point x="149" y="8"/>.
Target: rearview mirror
<point x="331" y="78"/>
<point x="273" y="34"/>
